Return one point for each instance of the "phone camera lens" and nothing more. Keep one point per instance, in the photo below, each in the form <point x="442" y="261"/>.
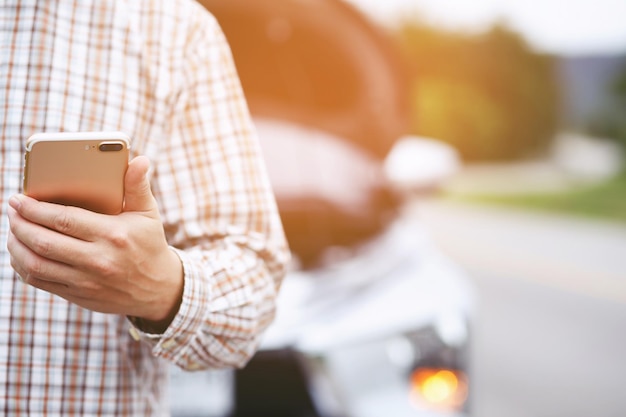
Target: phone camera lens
<point x="110" y="147"/>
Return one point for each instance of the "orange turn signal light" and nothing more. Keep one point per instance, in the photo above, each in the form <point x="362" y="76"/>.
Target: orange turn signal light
<point x="439" y="389"/>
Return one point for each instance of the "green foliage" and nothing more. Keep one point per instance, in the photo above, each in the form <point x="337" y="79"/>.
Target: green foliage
<point x="603" y="201"/>
<point x="489" y="95"/>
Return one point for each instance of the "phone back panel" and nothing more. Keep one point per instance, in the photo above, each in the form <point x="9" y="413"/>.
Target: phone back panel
<point x="76" y="173"/>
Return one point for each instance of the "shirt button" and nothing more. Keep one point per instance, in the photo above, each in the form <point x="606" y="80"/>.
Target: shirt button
<point x="194" y="366"/>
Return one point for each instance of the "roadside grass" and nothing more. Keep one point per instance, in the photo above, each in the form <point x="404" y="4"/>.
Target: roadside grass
<point x="601" y="201"/>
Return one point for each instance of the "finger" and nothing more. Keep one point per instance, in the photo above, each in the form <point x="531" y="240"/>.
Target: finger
<point x="47" y="243"/>
<point x="51" y="287"/>
<point x="33" y="268"/>
<point x="66" y="292"/>
<point x="137" y="192"/>
<point x="93" y="304"/>
<point x="73" y="287"/>
<point x="70" y="221"/>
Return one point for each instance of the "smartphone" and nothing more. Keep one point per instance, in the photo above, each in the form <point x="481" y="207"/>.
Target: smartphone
<point x="84" y="169"/>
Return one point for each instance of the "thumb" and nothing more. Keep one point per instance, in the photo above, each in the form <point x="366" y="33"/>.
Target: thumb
<point x="137" y="193"/>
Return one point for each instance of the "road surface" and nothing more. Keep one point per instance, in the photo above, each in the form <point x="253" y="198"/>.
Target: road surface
<point x="550" y="338"/>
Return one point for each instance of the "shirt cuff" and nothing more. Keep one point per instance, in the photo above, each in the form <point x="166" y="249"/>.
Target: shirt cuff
<point x="139" y="332"/>
<point x="174" y="342"/>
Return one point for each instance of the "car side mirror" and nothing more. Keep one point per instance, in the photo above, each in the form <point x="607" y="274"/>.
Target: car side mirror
<point x="419" y="164"/>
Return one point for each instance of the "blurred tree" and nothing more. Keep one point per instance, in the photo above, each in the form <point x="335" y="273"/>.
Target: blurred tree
<point x="610" y="121"/>
<point x="488" y="94"/>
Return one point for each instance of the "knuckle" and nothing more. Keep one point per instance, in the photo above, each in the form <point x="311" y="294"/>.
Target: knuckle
<point x="33" y="269"/>
<point x="119" y="238"/>
<point x="62" y="222"/>
<point x="103" y="267"/>
<point x="41" y="246"/>
<point x="88" y="288"/>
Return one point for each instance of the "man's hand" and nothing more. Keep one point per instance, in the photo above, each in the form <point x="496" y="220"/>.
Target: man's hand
<point x="113" y="264"/>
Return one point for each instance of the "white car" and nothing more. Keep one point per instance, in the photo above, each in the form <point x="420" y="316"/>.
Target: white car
<point x="372" y="319"/>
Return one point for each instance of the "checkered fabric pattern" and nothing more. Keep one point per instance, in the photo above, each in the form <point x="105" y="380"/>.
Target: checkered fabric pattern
<point x="161" y="71"/>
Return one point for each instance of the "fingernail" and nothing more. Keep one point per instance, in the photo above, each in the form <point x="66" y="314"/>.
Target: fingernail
<point x="15" y="202"/>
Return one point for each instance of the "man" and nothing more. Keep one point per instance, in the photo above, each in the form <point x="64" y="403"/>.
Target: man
<point x="188" y="272"/>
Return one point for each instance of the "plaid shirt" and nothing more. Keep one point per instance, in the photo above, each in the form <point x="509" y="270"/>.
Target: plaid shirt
<point x="161" y="71"/>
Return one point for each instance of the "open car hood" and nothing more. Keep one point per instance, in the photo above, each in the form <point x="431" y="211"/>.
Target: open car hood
<point x="321" y="64"/>
<point x="329" y="96"/>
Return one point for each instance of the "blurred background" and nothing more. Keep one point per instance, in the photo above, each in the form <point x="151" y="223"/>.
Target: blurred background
<point x="533" y="96"/>
<point x="457" y="163"/>
<point x="514" y="77"/>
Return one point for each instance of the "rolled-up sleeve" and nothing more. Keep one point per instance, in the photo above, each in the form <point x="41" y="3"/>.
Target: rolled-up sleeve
<point x="219" y="214"/>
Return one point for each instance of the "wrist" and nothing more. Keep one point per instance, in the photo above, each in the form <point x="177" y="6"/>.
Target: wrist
<point x="147" y="326"/>
<point x="163" y="311"/>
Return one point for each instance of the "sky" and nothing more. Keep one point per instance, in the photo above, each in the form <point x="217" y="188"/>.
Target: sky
<point x="567" y="27"/>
